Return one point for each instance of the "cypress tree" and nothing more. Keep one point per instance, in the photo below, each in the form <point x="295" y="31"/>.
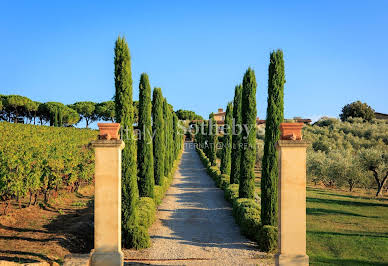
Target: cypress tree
<point x="56" y="117"/>
<point x="248" y="155"/>
<point x="236" y="138"/>
<point x="145" y="163"/>
<point x="275" y="107"/>
<point x="226" y="160"/>
<point x="213" y="138"/>
<point x="166" y="137"/>
<point x="175" y="131"/>
<point x="124" y="116"/>
<point x="171" y="137"/>
<point x="158" y="130"/>
<point x="205" y="141"/>
<point x="60" y="117"/>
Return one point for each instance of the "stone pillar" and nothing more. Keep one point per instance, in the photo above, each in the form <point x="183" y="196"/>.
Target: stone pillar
<point x="107" y="199"/>
<point x="292" y="196"/>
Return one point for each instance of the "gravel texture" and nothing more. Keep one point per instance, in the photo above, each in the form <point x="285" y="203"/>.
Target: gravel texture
<point x="194" y="224"/>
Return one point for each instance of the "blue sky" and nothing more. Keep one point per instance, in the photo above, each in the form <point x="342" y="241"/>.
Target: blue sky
<point x="196" y="51"/>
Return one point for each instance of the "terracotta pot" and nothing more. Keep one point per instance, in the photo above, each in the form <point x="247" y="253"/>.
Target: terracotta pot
<point x="291" y="131"/>
<point x="109" y="131"/>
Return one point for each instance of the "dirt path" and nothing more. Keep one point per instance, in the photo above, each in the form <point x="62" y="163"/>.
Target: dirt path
<point x="195" y="224"/>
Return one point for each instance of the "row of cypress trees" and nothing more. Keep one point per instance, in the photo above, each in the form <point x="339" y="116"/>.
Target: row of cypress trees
<point x="147" y="161"/>
<point x="239" y="145"/>
<point x="239" y="150"/>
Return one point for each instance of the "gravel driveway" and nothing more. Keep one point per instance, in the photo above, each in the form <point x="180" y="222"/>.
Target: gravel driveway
<point x="194" y="224"/>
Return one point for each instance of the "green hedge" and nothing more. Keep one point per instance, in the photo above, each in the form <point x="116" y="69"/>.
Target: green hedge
<point x="146" y="212"/>
<point x="245" y="211"/>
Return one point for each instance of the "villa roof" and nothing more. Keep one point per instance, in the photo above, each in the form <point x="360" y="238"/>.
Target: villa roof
<point x="220" y="114"/>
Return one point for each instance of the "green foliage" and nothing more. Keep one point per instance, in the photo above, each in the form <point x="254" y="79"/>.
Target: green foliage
<point x="376" y="161"/>
<point x="166" y="116"/>
<point x="159" y="140"/>
<point x="226" y="158"/>
<point x="147" y="211"/>
<point x="223" y="181"/>
<point x="212" y="140"/>
<point x="106" y="111"/>
<point x="124" y="116"/>
<point x="357" y="109"/>
<point x="171" y="137"/>
<point x="86" y="110"/>
<point x="52" y="158"/>
<point x="236" y="139"/>
<point x="145" y="156"/>
<point x="268" y="238"/>
<point x="50" y="111"/>
<point x="248" y="155"/>
<point x="231" y="192"/>
<point x="175" y="135"/>
<point x="136" y="236"/>
<point x="135" y="111"/>
<point x="188" y="115"/>
<point x="123" y="83"/>
<point x="55" y="118"/>
<point x="275" y="109"/>
<point x="247" y="214"/>
<point x="16" y="108"/>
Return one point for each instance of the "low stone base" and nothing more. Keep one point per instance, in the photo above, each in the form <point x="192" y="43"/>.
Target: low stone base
<point x="289" y="260"/>
<point x="77" y="260"/>
<point x="107" y="259"/>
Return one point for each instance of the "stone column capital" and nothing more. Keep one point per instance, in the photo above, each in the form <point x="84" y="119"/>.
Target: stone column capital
<point x="292" y="143"/>
<point x="112" y="143"/>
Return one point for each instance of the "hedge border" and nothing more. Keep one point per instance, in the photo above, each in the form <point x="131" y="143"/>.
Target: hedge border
<point x="245" y="211"/>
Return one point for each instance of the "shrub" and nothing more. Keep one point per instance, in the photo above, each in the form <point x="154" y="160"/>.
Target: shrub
<point x="267" y="238"/>
<point x="146" y="211"/>
<point x="231" y="192"/>
<point x="158" y="193"/>
<point x="137" y="237"/>
<point x="357" y="109"/>
<point x="224" y="181"/>
<point x="247" y="214"/>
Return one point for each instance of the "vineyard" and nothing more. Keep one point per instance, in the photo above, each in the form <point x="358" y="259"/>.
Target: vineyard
<point x="37" y="161"/>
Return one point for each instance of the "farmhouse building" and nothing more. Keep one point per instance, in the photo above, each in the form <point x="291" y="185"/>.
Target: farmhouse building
<point x="381" y="116"/>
